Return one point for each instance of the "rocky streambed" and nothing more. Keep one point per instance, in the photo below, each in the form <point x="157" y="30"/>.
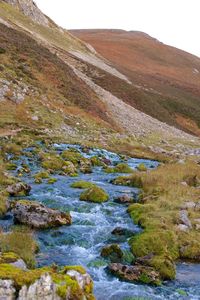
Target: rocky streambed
<point x="94" y="225"/>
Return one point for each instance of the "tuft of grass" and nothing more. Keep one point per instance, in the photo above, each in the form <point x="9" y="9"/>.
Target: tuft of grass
<point x="21" y="242"/>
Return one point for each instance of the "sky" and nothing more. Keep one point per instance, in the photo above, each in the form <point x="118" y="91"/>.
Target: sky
<point x="173" y="22"/>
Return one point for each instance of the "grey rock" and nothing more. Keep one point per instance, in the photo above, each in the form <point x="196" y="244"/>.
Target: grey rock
<point x="182" y="227"/>
<point x="184" y="218"/>
<point x="37" y="215"/>
<point x="42" y="289"/>
<point x="29" y="8"/>
<point x="7" y="290"/>
<point x="20" y="264"/>
<point x="82" y="279"/>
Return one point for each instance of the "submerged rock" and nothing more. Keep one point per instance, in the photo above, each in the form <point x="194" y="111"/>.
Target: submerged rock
<point x="136" y="273"/>
<point x="37" y="215"/>
<point x="113" y="252"/>
<point x="19" y="189"/>
<point x="122" y="231"/>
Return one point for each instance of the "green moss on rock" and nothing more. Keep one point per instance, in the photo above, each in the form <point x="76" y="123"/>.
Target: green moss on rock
<point x="81" y="184"/>
<point x="94" y="194"/>
<point x="141" y="167"/>
<point x="120" y="168"/>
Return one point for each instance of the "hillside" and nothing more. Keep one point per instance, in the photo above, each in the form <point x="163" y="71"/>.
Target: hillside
<point x="167" y="80"/>
<point x="56" y="84"/>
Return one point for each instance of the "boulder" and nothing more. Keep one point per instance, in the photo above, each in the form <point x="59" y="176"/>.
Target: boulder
<point x="7" y="290"/>
<point x="42" y="289"/>
<point x="37" y="215"/>
<point x="124" y="199"/>
<point x="19" y="189"/>
<point x="136" y="273"/>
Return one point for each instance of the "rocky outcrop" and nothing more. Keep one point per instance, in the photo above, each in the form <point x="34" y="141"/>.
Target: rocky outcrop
<point x="37" y="215"/>
<point x="42" y="289"/>
<point x="7" y="290"/>
<point x="19" y="189"/>
<point x="135" y="273"/>
<point x="30" y="9"/>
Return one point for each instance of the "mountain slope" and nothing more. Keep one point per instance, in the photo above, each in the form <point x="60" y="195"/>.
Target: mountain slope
<point x="54" y="83"/>
<point x="167" y="80"/>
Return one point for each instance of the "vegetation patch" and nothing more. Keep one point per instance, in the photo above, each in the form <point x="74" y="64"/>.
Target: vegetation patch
<point x="120" y="168"/>
<point x="81" y="184"/>
<point x="94" y="194"/>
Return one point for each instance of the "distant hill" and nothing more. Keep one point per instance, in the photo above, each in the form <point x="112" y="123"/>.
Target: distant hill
<point x="167" y="79"/>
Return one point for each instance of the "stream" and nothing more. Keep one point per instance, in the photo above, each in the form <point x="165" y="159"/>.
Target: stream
<point x="92" y="224"/>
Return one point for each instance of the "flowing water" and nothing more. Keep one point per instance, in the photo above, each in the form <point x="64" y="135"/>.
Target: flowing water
<point x="81" y="243"/>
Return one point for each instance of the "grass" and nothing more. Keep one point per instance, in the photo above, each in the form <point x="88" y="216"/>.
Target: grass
<point x="162" y="196"/>
<point x="21" y="242"/>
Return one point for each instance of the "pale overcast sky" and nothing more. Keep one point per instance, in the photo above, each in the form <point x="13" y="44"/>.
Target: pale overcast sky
<point x="174" y="22"/>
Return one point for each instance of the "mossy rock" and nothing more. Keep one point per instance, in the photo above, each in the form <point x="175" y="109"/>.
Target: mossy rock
<point x="120" y="168"/>
<point x="96" y="162"/>
<point x="52" y="180"/>
<point x="94" y="194"/>
<point x="81" y="184"/>
<point x="141" y="167"/>
<point x="133" y="180"/>
<point x="72" y="156"/>
<point x="112" y="252"/>
<point x="11" y="166"/>
<point x="63" y="281"/>
<point x="165" y="266"/>
<point x="8" y="257"/>
<point x="40" y="176"/>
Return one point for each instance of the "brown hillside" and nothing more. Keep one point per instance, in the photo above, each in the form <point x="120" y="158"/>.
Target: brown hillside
<point x="169" y="77"/>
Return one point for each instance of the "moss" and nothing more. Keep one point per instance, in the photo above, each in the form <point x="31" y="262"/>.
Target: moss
<point x="141" y="167"/>
<point x="112" y="252"/>
<point x="165" y="266"/>
<point x="72" y="156"/>
<point x="40" y="176"/>
<point x="8" y="257"/>
<point x="19" y="276"/>
<point x="94" y="194"/>
<point x="163" y="242"/>
<point x="82" y="184"/>
<point x="120" y="168"/>
<point x="134" y="180"/>
<point x="96" y="162"/>
<point x="11" y="166"/>
<point x="53" y="163"/>
<point x="3" y="203"/>
<point x="52" y="180"/>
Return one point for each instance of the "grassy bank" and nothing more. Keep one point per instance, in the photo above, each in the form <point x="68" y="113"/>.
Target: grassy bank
<point x="165" y="193"/>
